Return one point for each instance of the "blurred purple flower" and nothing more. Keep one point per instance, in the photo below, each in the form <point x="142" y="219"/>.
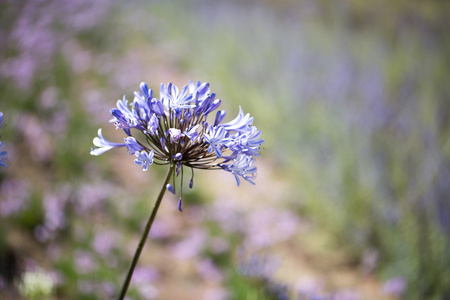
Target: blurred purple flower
<point x="394" y="286"/>
<point x="226" y="214"/>
<point x="145" y="274"/>
<point x="269" y="226"/>
<point x="104" y="242"/>
<point x="215" y="294"/>
<point x="15" y="196"/>
<point x="255" y="265"/>
<point x="306" y="287"/>
<point x="55" y="218"/>
<point x="192" y="245"/>
<point x="219" y="245"/>
<point x="91" y="197"/>
<point x="108" y="290"/>
<point x="262" y="268"/>
<point x="84" y="14"/>
<point x="37" y="35"/>
<point x="208" y="270"/>
<point x="84" y="262"/>
<point x="346" y="295"/>
<point x="54" y="205"/>
<point x="163" y="228"/>
<point x="369" y="260"/>
<point x="143" y="279"/>
<point x="36" y="135"/>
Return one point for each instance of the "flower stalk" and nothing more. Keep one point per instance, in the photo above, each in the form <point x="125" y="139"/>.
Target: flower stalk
<point x="144" y="236"/>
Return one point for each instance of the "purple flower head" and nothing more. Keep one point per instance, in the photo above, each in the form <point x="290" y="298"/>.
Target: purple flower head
<point x="174" y="130"/>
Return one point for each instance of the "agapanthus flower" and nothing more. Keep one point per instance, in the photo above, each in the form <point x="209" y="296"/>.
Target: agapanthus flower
<point x="3" y="153"/>
<point x="175" y="130"/>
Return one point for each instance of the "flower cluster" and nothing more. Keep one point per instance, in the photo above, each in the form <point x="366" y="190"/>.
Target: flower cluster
<point x="2" y="153"/>
<point x="175" y="130"/>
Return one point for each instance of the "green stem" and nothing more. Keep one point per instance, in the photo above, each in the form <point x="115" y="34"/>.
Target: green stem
<point x="144" y="236"/>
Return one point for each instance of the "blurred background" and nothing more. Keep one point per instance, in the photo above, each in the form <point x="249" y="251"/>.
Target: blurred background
<point x="353" y="195"/>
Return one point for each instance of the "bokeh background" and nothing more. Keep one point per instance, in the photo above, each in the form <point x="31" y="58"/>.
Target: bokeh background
<point x="353" y="195"/>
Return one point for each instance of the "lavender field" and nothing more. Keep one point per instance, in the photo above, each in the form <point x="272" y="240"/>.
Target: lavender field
<point x="352" y="197"/>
